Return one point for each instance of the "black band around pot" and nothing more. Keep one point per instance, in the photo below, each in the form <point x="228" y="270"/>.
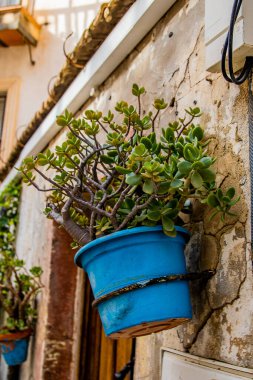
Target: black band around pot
<point x="154" y="281"/>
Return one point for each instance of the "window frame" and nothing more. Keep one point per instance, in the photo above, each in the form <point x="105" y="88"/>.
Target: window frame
<point x="11" y="5"/>
<point x="3" y="96"/>
<point x="10" y="86"/>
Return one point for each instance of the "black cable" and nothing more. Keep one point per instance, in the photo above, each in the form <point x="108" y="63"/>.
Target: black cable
<point x="228" y="50"/>
<point x="230" y="77"/>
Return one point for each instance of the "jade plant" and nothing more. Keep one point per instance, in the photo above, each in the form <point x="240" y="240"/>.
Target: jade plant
<point x="18" y="286"/>
<point x="114" y="171"/>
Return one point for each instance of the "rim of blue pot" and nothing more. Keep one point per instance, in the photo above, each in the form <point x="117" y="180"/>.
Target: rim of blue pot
<point x="118" y="234"/>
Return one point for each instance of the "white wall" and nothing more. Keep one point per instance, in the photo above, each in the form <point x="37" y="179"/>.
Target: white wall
<point x="63" y="17"/>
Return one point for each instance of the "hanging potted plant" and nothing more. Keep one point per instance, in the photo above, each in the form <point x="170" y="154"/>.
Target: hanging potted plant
<point x="18" y="286"/>
<point x="119" y="190"/>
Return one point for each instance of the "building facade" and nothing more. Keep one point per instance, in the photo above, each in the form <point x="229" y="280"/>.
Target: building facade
<point x="168" y="58"/>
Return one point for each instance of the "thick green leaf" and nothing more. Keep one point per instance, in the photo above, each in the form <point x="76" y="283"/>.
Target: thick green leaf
<point x="61" y="121"/>
<point x="146" y="142"/>
<point x="196" y="180"/>
<point x="160" y="104"/>
<point x="184" y="167"/>
<point x="206" y="161"/>
<point x="129" y="203"/>
<point x="176" y="183"/>
<point x="169" y="134"/>
<point x="168" y="224"/>
<point x="152" y="137"/>
<point x="135" y="89"/>
<point x="212" y="201"/>
<point x="140" y="149"/>
<point x="106" y="159"/>
<point x="148" y="223"/>
<point x="191" y="153"/>
<point x="172" y="233"/>
<point x="198" y="132"/>
<point x="179" y="146"/>
<point x="163" y="187"/>
<point x="133" y="179"/>
<point x="112" y="153"/>
<point x="198" y="165"/>
<point x="42" y="161"/>
<point x="154" y="215"/>
<point x="171" y="212"/>
<point x="172" y="204"/>
<point x="231" y="192"/>
<point x="179" y="175"/>
<point x="122" y="170"/>
<point x="208" y="175"/>
<point x="148" y="187"/>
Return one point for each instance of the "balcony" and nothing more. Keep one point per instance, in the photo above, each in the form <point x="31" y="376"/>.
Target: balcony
<point x="17" y="25"/>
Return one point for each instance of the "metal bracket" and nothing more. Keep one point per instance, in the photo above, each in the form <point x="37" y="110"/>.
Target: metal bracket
<point x="125" y="371"/>
<point x="154" y="281"/>
<point x="30" y="55"/>
<point x="128" y="369"/>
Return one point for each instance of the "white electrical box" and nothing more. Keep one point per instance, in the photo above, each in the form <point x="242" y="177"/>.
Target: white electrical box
<point x="217" y="20"/>
<point x="181" y="366"/>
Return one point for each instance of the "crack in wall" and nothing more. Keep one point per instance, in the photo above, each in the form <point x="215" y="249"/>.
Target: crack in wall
<point x="213" y="310"/>
<point x="182" y="81"/>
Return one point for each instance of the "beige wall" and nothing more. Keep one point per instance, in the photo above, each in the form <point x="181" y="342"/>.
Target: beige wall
<point x="35" y="237"/>
<point x="62" y="18"/>
<point x="173" y="67"/>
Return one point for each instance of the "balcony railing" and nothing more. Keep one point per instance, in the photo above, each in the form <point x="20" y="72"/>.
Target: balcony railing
<point x="9" y="3"/>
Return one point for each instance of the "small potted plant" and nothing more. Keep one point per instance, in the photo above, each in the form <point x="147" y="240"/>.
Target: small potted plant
<point x="18" y="286"/>
<point x="119" y="190"/>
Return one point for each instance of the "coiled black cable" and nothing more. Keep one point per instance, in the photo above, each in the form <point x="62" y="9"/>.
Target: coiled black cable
<point x="228" y="50"/>
<point x="246" y="73"/>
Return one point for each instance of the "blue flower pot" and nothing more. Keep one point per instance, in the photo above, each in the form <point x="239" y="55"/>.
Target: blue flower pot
<point x="124" y="269"/>
<point x="14" y="347"/>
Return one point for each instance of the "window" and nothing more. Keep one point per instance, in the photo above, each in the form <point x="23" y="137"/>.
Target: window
<point x="9" y="3"/>
<point x="29" y="4"/>
<point x="9" y="101"/>
<point x="2" y="109"/>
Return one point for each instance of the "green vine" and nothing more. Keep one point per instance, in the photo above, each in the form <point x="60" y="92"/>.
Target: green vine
<point x="18" y="286"/>
<point x="9" y="204"/>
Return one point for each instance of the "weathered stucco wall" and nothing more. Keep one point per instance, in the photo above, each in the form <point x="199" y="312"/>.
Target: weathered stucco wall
<point x="170" y="63"/>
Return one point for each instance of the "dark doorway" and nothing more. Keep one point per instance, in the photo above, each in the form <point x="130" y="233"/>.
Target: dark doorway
<point x="100" y="357"/>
